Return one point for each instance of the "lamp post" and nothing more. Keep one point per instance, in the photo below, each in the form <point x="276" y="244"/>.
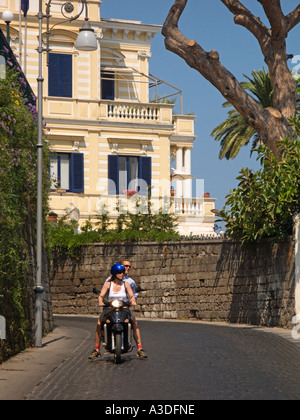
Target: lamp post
<point x="86" y="41"/>
<point x="8" y="17"/>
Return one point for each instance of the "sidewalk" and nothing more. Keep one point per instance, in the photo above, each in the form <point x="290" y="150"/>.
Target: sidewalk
<point x="20" y="374"/>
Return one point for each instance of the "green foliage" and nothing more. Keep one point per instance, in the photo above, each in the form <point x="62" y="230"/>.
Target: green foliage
<point x="18" y="132"/>
<point x="64" y="239"/>
<point x="265" y="201"/>
<point x="235" y="133"/>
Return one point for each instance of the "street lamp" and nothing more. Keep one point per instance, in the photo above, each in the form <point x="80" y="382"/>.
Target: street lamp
<point x="86" y="41"/>
<point x="8" y="17"/>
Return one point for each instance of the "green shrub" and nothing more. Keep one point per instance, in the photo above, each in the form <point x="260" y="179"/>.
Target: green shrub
<point x="265" y="201"/>
<point x="64" y="239"/>
<point x="18" y="161"/>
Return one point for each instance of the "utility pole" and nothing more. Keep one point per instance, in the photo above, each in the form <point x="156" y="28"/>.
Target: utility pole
<point x="38" y="289"/>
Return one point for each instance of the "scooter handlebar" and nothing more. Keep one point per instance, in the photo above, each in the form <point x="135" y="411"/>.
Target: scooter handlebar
<point x="139" y="289"/>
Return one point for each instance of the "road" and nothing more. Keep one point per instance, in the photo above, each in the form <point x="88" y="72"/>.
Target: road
<point x="187" y="361"/>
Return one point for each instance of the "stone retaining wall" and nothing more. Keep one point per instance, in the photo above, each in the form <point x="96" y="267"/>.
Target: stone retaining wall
<point x="206" y="280"/>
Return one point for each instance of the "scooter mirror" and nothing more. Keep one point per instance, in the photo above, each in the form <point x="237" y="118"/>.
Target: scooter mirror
<point x="138" y="289"/>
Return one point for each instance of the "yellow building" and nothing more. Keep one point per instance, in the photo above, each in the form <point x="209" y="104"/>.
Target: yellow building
<point x="109" y="131"/>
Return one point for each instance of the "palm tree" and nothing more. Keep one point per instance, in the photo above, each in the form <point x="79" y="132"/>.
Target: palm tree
<point x="234" y="132"/>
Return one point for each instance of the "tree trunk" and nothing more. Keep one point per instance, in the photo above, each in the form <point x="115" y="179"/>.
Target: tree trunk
<point x="271" y="124"/>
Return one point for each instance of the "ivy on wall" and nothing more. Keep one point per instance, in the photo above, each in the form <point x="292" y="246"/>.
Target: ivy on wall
<point x="18" y="164"/>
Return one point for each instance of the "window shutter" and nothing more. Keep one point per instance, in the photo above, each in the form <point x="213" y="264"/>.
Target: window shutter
<point x="65" y="76"/>
<point x="77" y="173"/>
<point x="146" y="175"/>
<point x="53" y="75"/>
<point x="113" y="175"/>
<point x="60" y="75"/>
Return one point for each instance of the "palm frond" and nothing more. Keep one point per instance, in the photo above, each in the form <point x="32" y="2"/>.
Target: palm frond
<point x="235" y="133"/>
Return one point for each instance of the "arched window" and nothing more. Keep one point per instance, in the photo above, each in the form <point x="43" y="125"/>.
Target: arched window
<point x="2" y="67"/>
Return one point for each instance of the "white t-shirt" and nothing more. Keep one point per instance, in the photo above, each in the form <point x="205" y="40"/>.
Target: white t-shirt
<point x="131" y="283"/>
<point x="120" y="295"/>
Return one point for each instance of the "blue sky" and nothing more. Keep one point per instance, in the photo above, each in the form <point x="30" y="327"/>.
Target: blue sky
<point x="211" y="24"/>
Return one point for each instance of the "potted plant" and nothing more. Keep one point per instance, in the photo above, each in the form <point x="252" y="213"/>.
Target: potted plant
<point x="52" y="217"/>
<point x="129" y="193"/>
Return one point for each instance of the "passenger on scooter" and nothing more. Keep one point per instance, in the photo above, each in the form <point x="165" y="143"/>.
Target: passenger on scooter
<point x="136" y="331"/>
<point x="116" y="288"/>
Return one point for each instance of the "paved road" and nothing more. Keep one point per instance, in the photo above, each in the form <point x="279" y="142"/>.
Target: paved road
<point x="186" y="362"/>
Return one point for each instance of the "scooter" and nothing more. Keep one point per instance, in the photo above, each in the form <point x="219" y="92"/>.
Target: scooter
<point x="117" y="329"/>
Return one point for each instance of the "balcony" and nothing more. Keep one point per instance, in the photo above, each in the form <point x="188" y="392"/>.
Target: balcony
<point x="117" y="111"/>
<point x="133" y="108"/>
<point x="189" y="207"/>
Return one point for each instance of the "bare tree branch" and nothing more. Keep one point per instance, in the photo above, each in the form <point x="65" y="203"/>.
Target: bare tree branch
<point x="243" y="17"/>
<point x="293" y="19"/>
<point x="271" y="124"/>
<point x="175" y="13"/>
<point x="276" y="17"/>
<point x="276" y="58"/>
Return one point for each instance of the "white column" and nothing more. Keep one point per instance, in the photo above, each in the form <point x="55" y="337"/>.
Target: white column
<point x="187" y="184"/>
<point x="179" y="167"/>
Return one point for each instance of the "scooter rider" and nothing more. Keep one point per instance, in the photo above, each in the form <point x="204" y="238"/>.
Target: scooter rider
<point x="116" y="287"/>
<point x="136" y="331"/>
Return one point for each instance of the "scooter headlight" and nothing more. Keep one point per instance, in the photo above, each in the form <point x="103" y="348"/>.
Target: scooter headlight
<point x="116" y="304"/>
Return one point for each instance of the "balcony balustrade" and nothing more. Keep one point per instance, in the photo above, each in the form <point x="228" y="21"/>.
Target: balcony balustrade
<point x="118" y="111"/>
<point x="181" y="207"/>
<point x="143" y="112"/>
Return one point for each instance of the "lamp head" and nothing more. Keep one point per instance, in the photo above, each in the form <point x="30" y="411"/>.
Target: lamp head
<point x="7" y="16"/>
<point x="86" y="40"/>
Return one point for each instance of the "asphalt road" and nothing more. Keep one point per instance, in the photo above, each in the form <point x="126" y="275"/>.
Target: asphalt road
<point x="187" y="362"/>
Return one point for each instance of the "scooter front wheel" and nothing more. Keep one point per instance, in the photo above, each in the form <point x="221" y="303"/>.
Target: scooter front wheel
<point x="118" y="351"/>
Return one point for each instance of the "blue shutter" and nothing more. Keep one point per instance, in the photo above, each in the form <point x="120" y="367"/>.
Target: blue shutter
<point x="145" y="173"/>
<point x="77" y="173"/>
<point x="113" y="175"/>
<point x="65" y="76"/>
<point x="60" y="75"/>
<point x="53" y="75"/>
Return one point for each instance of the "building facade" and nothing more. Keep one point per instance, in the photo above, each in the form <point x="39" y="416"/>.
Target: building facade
<point x="111" y="135"/>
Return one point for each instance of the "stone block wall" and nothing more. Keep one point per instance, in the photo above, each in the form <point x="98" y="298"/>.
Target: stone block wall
<point x="205" y="280"/>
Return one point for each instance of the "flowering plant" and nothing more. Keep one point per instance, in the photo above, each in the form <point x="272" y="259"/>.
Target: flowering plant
<point x="129" y="193"/>
<point x="18" y="179"/>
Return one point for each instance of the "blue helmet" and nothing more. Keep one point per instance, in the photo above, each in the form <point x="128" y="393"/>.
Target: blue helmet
<point x="117" y="268"/>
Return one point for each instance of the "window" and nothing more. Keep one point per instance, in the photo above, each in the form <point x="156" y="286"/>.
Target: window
<point x="129" y="173"/>
<point x="66" y="171"/>
<point x="107" y="85"/>
<point x="60" y="75"/>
